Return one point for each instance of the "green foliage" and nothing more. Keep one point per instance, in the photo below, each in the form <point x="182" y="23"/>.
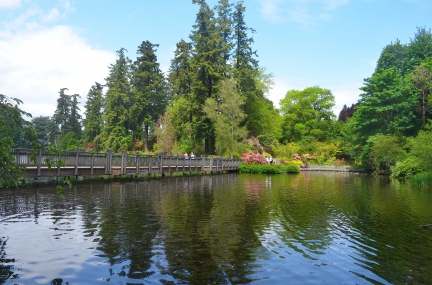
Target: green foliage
<point x="226" y="115"/>
<point x="422" y="80"/>
<point x="384" y="152"/>
<point x="405" y="169"/>
<point x="209" y="68"/>
<point x="69" y="142"/>
<point x="46" y="129"/>
<point x="66" y="115"/>
<point x="291" y="168"/>
<point x="11" y="119"/>
<point x="421" y="148"/>
<point x="259" y="168"/>
<point x="386" y="107"/>
<point x="116" y="116"/>
<point x="423" y="179"/>
<point x="307" y="114"/>
<point x="149" y="94"/>
<point x="94" y="107"/>
<point x="165" y="133"/>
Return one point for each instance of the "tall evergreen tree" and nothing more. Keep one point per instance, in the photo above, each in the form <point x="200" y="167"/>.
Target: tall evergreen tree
<point x="224" y="23"/>
<point x="117" y="118"/>
<point x="93" y="122"/>
<point x="62" y="112"/>
<point x="180" y="81"/>
<point x="208" y="63"/>
<point x="148" y="82"/>
<point x="180" y="73"/>
<point x="246" y="70"/>
<point x="67" y="116"/>
<point x="75" y="117"/>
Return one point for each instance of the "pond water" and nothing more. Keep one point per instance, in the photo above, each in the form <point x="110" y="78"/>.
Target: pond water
<point x="311" y="228"/>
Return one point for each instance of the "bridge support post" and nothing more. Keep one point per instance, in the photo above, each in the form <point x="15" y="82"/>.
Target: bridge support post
<point x="39" y="163"/>
<point x="137" y="161"/>
<point x="108" y="162"/>
<point x="123" y="162"/>
<point x="150" y="165"/>
<point x="76" y="161"/>
<point x="211" y="163"/>
<point x="161" y="163"/>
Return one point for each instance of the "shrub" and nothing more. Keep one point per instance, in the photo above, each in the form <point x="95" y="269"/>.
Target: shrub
<point x="405" y="169"/>
<point x="422" y="179"/>
<point x="254" y="158"/>
<point x="291" y="168"/>
<point x="259" y="168"/>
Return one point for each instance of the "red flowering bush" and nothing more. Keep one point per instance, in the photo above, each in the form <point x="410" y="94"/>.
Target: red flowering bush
<point x="253" y="158"/>
<point x="89" y="145"/>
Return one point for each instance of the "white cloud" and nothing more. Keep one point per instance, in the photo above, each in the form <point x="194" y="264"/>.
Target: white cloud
<point x="8" y="4"/>
<point x="270" y="10"/>
<point x="304" y="12"/>
<point x="37" y="60"/>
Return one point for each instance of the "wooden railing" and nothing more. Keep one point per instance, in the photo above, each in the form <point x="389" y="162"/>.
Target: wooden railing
<point x="81" y="163"/>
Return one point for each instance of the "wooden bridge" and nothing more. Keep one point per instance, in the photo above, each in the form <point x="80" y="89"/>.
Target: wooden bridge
<point x="81" y="163"/>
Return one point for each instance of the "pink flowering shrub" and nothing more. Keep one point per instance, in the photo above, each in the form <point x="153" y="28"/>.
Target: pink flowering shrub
<point x="89" y="145"/>
<point x="253" y="158"/>
<point x="296" y="156"/>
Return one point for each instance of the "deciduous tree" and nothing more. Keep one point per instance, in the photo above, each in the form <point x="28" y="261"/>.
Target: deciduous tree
<point x="227" y="115"/>
<point x="307" y="113"/>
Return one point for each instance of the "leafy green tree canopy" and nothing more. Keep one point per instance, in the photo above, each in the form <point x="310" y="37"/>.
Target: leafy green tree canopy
<point x="307" y="113"/>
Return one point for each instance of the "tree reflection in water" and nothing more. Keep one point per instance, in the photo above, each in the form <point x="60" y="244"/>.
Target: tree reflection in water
<point x="6" y="264"/>
<point x="230" y="229"/>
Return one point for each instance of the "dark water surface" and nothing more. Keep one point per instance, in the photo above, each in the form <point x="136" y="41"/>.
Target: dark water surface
<point x="311" y="228"/>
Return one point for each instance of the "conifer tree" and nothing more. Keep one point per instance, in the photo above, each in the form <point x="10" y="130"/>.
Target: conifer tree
<point x="208" y="64"/>
<point x="62" y="112"/>
<point x="148" y="82"/>
<point x="75" y="117"/>
<point x="224" y="23"/>
<point x="180" y="81"/>
<point x="180" y="70"/>
<point x="117" y="121"/>
<point x="94" y="107"/>
<point x="67" y="116"/>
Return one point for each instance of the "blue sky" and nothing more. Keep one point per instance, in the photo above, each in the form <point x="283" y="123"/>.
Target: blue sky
<point x="46" y="45"/>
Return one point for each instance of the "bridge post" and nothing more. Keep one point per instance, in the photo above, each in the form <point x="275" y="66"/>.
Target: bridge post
<point x="91" y="164"/>
<point x="202" y="163"/>
<point x="39" y="163"/>
<point x="150" y="164"/>
<point x="108" y="162"/>
<point x="211" y="163"/>
<point x="123" y="162"/>
<point x="76" y="161"/>
<point x="161" y="163"/>
<point x="137" y="161"/>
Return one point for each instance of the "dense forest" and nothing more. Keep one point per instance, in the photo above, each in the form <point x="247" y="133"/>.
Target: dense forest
<point x="213" y="101"/>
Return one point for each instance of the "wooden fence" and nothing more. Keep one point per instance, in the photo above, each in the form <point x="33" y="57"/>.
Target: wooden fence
<point x="81" y="163"/>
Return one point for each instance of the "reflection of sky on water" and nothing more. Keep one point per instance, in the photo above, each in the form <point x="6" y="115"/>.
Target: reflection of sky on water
<point x="56" y="245"/>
